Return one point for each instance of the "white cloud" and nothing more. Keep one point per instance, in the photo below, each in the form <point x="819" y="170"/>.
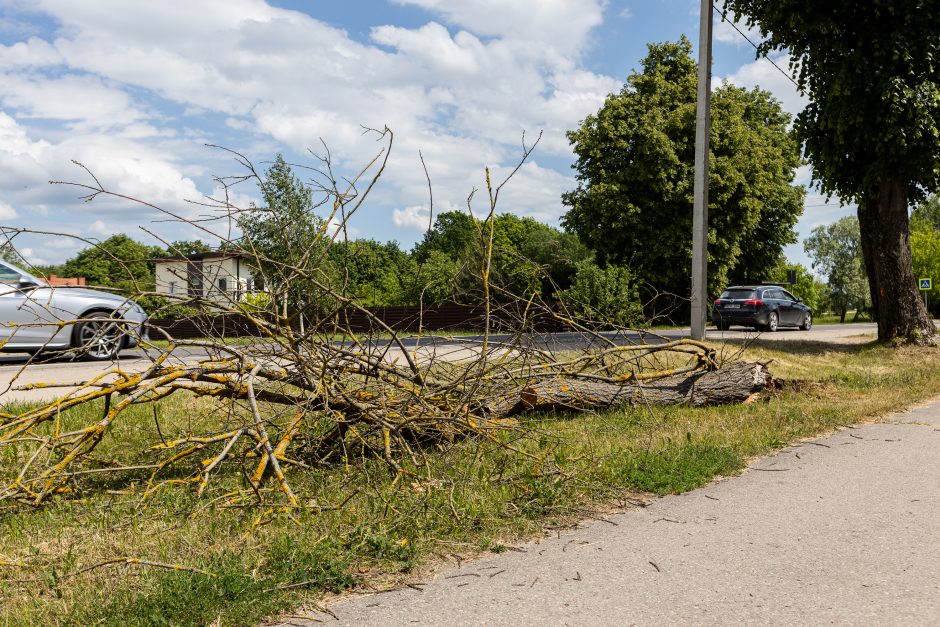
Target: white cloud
<point x="124" y="166"/>
<point x="763" y="73"/>
<point x="561" y="25"/>
<point x="416" y="217"/>
<point x="122" y="86"/>
<point x="76" y="98"/>
<point x="30" y="256"/>
<point x="99" y="228"/>
<point x="533" y="191"/>
<point x="724" y="31"/>
<point x="6" y="211"/>
<point x="34" y="52"/>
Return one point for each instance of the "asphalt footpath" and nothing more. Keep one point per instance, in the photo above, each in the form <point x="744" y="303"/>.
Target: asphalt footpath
<point x="844" y="529"/>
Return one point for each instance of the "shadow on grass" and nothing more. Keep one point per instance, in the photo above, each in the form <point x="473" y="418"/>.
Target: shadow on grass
<point x="800" y="347"/>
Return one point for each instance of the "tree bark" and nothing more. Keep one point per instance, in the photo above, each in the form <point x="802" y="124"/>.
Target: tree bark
<point x="730" y="384"/>
<point x="886" y="244"/>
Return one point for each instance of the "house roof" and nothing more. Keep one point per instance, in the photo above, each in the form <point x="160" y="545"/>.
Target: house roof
<point x="204" y="257"/>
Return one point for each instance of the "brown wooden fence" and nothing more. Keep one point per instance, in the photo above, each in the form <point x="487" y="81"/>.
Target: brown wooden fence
<point x="448" y="317"/>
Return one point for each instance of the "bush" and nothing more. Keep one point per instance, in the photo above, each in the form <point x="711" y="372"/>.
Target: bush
<point x="605" y="295"/>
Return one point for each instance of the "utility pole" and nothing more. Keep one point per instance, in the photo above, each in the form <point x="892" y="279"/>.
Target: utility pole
<point x="700" y="187"/>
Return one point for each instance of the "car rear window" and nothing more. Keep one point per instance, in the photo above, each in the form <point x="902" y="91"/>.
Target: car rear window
<point x="738" y="294"/>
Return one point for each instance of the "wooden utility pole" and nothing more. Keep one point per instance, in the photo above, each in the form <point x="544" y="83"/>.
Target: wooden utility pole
<point x="700" y="187"/>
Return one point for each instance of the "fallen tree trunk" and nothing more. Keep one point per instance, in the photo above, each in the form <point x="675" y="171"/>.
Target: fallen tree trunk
<point x="733" y="383"/>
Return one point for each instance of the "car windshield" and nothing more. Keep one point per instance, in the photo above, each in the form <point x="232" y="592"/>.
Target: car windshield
<point x="738" y="294"/>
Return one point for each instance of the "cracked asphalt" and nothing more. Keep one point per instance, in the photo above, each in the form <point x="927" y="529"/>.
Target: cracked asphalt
<point x="843" y="529"/>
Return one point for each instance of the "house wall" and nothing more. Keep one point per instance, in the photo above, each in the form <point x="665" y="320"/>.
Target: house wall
<point x="224" y="280"/>
<point x="171" y="278"/>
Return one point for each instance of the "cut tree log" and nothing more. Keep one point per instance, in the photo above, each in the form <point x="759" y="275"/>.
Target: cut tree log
<point x="733" y="383"/>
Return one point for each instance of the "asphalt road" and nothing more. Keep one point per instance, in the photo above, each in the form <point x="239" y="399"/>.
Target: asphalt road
<point x="838" y="530"/>
<point x="14" y="373"/>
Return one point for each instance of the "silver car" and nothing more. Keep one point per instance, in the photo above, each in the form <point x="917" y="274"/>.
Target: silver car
<point x="35" y="317"/>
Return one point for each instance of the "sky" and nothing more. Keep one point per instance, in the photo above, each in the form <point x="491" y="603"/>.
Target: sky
<point x="143" y="94"/>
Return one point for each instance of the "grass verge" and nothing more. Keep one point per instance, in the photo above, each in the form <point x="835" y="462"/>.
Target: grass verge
<point x="236" y="566"/>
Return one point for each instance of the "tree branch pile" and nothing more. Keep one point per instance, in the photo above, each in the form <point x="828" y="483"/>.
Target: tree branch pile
<point x="310" y="392"/>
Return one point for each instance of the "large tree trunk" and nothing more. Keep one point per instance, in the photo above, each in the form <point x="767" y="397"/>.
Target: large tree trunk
<point x="733" y="383"/>
<point x="886" y="244"/>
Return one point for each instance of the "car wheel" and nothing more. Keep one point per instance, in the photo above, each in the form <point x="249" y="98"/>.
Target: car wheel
<point x="98" y="337"/>
<point x="723" y="326"/>
<point x="772" y="322"/>
<point x="807" y="322"/>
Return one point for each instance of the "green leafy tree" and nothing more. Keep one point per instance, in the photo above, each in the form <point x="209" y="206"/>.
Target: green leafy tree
<point x="534" y="257"/>
<point x="376" y="274"/>
<point x="925" y="249"/>
<point x="189" y="247"/>
<point x="118" y="262"/>
<point x="872" y="128"/>
<point x="605" y="295"/>
<point x="926" y="215"/>
<point x="635" y="156"/>
<point x="807" y="287"/>
<point x="287" y="238"/>
<point x="453" y="233"/>
<point x="528" y="257"/>
<point x="433" y="280"/>
<point x="836" y="251"/>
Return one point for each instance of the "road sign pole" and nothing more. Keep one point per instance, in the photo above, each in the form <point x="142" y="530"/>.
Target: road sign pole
<point x="700" y="186"/>
<point x="925" y="286"/>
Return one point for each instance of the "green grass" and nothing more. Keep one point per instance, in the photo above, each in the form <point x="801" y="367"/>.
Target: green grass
<point x="479" y="499"/>
<point x="850" y="318"/>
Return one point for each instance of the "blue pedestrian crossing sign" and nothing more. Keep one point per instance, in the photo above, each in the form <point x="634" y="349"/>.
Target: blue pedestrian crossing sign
<point x="925" y="284"/>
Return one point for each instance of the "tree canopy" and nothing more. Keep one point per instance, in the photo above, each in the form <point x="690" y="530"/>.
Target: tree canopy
<point x="119" y="262"/>
<point x="808" y="288"/>
<point x="925" y="248"/>
<point x="633" y="202"/>
<point x="285" y="233"/>
<point x="872" y="127"/>
<point x="926" y="215"/>
<point x="836" y="251"/>
<point x="376" y="274"/>
<point x="528" y="257"/>
<point x="188" y="247"/>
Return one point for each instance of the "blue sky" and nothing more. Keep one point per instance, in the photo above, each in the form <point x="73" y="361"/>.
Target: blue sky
<point x="135" y="91"/>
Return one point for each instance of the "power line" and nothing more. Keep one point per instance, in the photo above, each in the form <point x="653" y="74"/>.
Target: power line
<point x="724" y="18"/>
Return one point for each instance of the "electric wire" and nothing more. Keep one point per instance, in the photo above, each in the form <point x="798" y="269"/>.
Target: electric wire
<point x="724" y="18"/>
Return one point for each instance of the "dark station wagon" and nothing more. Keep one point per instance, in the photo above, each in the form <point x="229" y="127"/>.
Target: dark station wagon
<point x="764" y="307"/>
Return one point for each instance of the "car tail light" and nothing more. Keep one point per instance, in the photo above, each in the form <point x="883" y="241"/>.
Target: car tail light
<point x="717" y="302"/>
<point x="754" y="301"/>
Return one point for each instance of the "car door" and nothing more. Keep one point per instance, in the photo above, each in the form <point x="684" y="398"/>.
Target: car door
<point x="777" y="303"/>
<point x="794" y="310"/>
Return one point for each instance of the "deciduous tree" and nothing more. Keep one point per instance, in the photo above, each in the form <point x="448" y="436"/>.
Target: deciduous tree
<point x="925" y="248"/>
<point x="286" y="235"/>
<point x="872" y="127"/>
<point x="836" y="251"/>
<point x="807" y="287"/>
<point x="118" y="262"/>
<point x="528" y="256"/>
<point x="633" y="202"/>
